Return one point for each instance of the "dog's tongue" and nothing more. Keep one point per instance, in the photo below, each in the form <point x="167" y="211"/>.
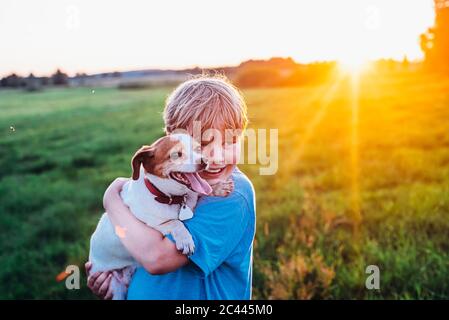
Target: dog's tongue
<point x="198" y="184"/>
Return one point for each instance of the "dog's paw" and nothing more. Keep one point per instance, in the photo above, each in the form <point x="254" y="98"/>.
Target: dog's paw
<point x="223" y="189"/>
<point x="183" y="240"/>
<point x="185" y="245"/>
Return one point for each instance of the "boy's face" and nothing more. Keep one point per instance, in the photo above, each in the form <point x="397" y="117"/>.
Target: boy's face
<point x="221" y="151"/>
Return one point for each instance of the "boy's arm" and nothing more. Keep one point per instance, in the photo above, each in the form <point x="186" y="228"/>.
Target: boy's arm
<point x="157" y="254"/>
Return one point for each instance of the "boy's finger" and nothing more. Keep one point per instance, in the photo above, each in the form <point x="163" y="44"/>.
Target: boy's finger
<point x="104" y="287"/>
<point x="88" y="266"/>
<point x="101" y="278"/>
<point x="108" y="295"/>
<point x="91" y="279"/>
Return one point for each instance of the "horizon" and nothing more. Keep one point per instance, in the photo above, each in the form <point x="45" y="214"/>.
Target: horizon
<point x="192" y="67"/>
<point x="81" y="37"/>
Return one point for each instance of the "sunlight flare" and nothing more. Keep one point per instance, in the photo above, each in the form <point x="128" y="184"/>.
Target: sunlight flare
<point x="355" y="168"/>
<point x="353" y="64"/>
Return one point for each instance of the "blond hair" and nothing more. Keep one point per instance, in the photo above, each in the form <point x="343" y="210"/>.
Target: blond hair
<point x="212" y="100"/>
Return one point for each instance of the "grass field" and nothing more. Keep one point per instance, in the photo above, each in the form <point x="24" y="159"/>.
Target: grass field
<point x="363" y="179"/>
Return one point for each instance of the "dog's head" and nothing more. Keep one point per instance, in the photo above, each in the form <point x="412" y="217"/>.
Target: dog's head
<point x="176" y="157"/>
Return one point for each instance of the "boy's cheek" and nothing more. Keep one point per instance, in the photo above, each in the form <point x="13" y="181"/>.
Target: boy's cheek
<point x="232" y="153"/>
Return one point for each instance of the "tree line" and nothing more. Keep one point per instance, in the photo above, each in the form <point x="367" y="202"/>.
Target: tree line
<point x="33" y="83"/>
<point x="435" y="41"/>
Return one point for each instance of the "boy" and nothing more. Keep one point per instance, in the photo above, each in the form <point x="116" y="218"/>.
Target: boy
<point x="223" y="229"/>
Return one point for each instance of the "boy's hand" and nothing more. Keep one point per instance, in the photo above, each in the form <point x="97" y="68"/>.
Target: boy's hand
<point x="99" y="282"/>
<point x="223" y="189"/>
<point x="112" y="193"/>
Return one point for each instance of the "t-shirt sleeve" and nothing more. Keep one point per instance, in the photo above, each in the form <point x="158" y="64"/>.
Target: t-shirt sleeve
<point x="216" y="228"/>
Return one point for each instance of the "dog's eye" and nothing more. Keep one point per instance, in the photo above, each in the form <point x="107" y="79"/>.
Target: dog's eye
<point x="175" y="155"/>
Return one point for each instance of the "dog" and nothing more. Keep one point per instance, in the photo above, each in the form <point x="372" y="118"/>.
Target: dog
<point x="163" y="191"/>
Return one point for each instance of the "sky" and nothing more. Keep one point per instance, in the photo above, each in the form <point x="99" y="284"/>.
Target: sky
<point x="102" y="36"/>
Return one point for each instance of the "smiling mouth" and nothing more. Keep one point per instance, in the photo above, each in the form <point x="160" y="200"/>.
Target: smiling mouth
<point x="214" y="171"/>
<point x="192" y="180"/>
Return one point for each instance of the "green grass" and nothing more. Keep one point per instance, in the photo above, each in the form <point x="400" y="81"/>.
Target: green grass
<point x="69" y="144"/>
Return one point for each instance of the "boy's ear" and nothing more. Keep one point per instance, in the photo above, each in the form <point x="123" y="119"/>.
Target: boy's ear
<point x="145" y="153"/>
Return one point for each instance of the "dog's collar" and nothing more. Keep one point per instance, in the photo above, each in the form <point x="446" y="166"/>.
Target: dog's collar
<point x="162" y="197"/>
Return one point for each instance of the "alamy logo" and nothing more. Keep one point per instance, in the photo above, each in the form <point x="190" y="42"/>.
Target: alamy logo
<point x="373" y="280"/>
<point x="71" y="276"/>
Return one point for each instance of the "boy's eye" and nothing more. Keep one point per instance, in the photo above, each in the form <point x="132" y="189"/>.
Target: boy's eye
<point x="205" y="143"/>
<point x="231" y="140"/>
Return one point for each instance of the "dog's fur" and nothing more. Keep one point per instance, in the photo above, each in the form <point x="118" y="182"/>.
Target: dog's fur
<point x="155" y="163"/>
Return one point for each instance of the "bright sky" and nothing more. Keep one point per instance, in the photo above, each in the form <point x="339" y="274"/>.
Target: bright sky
<point x="96" y="36"/>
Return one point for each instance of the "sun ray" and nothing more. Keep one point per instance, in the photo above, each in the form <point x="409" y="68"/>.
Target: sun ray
<point x="325" y="100"/>
<point x="355" y="168"/>
<point x="298" y="147"/>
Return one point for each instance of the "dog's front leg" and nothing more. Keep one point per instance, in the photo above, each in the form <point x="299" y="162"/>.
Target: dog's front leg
<point x="181" y="235"/>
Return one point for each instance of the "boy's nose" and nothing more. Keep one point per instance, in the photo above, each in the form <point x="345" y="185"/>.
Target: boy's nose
<point x="216" y="155"/>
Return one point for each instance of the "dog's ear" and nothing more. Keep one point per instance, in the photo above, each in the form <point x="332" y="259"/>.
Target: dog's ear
<point x="143" y="154"/>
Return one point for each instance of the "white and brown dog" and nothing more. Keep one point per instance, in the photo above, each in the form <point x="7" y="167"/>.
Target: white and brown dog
<point x="163" y="191"/>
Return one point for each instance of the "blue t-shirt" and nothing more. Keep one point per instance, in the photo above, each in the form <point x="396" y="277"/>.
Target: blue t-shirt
<point x="223" y="230"/>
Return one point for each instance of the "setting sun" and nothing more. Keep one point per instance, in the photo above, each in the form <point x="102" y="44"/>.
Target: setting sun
<point x="353" y="64"/>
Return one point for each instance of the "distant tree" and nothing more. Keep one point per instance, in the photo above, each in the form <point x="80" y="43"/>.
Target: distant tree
<point x="59" y="78"/>
<point x="12" y="81"/>
<point x="258" y="76"/>
<point x="311" y="74"/>
<point x="45" y="81"/>
<point x="405" y="63"/>
<point x="435" y="41"/>
<point x="80" y="79"/>
<point x="275" y="62"/>
<point x="33" y="83"/>
<point x="281" y="72"/>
